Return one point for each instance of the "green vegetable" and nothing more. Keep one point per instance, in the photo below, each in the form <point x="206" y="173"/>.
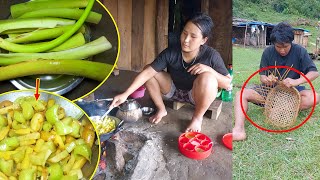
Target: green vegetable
<point x="54" y="43"/>
<point x="18" y="157"/>
<point x="93" y="70"/>
<point x="27" y="174"/>
<point x="36" y="122"/>
<point x="92" y="48"/>
<point x="11" y="24"/>
<point x="70" y="177"/>
<point x="18" y="31"/>
<point x="17" y="125"/>
<point x="48" y="145"/>
<point x="9" y="144"/>
<point x="73" y="42"/>
<point x="83" y="150"/>
<point x="71" y="161"/>
<point x="38" y="35"/>
<point x="77" y="172"/>
<point x="27" y="110"/>
<point x="6" y="167"/>
<point x="70" y="146"/>
<point x="4" y="132"/>
<point x="18" y="116"/>
<point x="52" y="114"/>
<point x="59" y="157"/>
<point x="37" y="105"/>
<point x="34" y="135"/>
<point x="62" y="129"/>
<point x="67" y="120"/>
<point x="68" y="13"/>
<point x="40" y="158"/>
<point x="3" y="121"/>
<point x="75" y="129"/>
<point x="46" y="126"/>
<point x="55" y="172"/>
<point x="19" y="9"/>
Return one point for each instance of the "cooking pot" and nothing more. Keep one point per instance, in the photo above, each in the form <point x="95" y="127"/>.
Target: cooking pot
<point x="129" y="111"/>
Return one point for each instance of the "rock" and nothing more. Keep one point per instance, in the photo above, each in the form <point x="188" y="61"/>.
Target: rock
<point x="151" y="164"/>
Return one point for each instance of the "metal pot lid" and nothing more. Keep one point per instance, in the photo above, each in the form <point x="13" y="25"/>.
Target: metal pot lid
<point x="129" y="105"/>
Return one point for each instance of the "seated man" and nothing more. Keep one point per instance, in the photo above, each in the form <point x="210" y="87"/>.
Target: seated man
<point x="282" y="53"/>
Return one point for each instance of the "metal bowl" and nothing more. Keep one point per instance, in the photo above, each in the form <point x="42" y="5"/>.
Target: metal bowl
<point x="147" y="110"/>
<point x="72" y="110"/>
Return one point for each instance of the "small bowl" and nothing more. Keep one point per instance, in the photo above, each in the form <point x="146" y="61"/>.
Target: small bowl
<point x="195" y="148"/>
<point x="147" y="110"/>
<point x="139" y="93"/>
<point x="227" y="140"/>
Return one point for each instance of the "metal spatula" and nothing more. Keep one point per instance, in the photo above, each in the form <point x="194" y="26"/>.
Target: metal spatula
<point x="106" y="113"/>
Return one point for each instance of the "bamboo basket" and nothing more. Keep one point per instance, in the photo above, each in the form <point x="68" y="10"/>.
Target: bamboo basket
<point x="282" y="106"/>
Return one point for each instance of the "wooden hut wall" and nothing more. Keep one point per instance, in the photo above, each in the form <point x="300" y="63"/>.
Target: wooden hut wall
<point x="300" y="38"/>
<point x="143" y="28"/>
<point x="249" y="40"/>
<point x="221" y="14"/>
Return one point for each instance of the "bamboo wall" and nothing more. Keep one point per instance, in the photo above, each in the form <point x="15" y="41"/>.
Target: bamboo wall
<point x="143" y="27"/>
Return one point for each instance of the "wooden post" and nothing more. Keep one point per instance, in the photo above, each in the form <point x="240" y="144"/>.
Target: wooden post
<point x="221" y="14"/>
<point x="149" y="29"/>
<point x="125" y="28"/>
<point x="162" y="25"/>
<point x="137" y="34"/>
<point x="245" y="36"/>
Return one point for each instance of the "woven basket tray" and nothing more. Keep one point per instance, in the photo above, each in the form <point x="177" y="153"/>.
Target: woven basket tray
<point x="282" y="106"/>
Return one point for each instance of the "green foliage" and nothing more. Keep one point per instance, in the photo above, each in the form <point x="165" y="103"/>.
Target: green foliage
<point x="309" y="9"/>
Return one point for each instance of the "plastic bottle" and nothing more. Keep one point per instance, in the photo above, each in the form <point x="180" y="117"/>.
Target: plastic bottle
<point x="227" y="93"/>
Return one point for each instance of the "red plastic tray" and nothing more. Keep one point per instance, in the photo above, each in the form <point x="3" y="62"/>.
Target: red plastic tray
<point x="195" y="145"/>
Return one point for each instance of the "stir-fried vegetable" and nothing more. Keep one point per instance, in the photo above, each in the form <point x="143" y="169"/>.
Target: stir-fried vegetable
<point x="43" y="143"/>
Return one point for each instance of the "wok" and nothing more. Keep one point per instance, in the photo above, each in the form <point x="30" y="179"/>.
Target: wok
<point x="108" y="135"/>
<point x="96" y="108"/>
<point x="71" y="109"/>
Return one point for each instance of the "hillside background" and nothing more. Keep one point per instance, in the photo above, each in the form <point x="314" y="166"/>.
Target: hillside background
<point x="299" y="13"/>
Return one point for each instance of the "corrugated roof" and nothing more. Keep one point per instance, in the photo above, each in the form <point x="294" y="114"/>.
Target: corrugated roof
<point x="244" y="22"/>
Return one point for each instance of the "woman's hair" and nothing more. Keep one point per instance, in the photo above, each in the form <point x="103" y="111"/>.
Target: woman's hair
<point x="203" y="22"/>
<point x="282" y="33"/>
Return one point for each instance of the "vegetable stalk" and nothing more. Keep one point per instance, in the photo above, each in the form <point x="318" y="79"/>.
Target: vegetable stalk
<point x="93" y="70"/>
<point x="12" y="24"/>
<point x="52" y="44"/>
<point x="92" y="48"/>
<point x="19" y="9"/>
<point x="68" y="13"/>
<point x="39" y="35"/>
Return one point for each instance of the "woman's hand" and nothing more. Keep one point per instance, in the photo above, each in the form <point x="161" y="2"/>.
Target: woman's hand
<point x="119" y="99"/>
<point x="199" y="68"/>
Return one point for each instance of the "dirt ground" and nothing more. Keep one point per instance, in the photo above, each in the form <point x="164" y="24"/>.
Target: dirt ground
<point x="147" y="151"/>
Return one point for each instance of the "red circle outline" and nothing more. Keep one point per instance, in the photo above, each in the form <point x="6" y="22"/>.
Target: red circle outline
<point x="271" y="130"/>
